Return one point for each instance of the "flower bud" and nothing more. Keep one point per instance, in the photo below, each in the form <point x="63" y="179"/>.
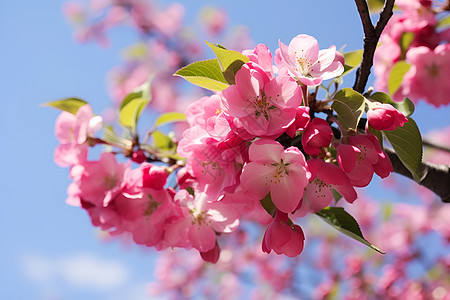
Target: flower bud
<point x="385" y="117"/>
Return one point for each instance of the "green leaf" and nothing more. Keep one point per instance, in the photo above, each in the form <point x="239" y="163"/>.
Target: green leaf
<point x="268" y="205"/>
<point x="227" y="57"/>
<point x="352" y="61"/>
<point x="229" y="61"/>
<point x="375" y="6"/>
<point x="336" y="195"/>
<point x="377" y="133"/>
<point x="70" y="105"/>
<point x="170" y="117"/>
<point x="407" y="143"/>
<point x="396" y="76"/>
<point x="206" y="74"/>
<point x="163" y="142"/>
<point x="345" y="223"/>
<point x="405" y="41"/>
<point x="130" y="112"/>
<point x="349" y="106"/>
<point x="406" y="106"/>
<point x="445" y="21"/>
<point x="353" y="58"/>
<point x="142" y="91"/>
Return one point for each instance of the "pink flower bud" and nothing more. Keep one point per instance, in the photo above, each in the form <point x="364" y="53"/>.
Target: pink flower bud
<point x="212" y="255"/>
<point x="302" y="119"/>
<point x="154" y="177"/>
<point x="138" y="157"/>
<point x="283" y="238"/>
<point x="317" y="134"/>
<point x="385" y="117"/>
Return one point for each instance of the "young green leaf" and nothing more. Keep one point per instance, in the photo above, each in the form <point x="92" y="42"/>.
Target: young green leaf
<point x="162" y="141"/>
<point x="206" y="74"/>
<point x="352" y="60"/>
<point x="396" y="76"/>
<point x="376" y="133"/>
<point x="375" y="6"/>
<point x="227" y="57"/>
<point x="142" y="91"/>
<point x="345" y="223"/>
<point x="70" y="105"/>
<point x="405" y="41"/>
<point x="349" y="106"/>
<point x="229" y="61"/>
<point x="170" y="117"/>
<point x="407" y="143"/>
<point x="130" y="112"/>
<point x="406" y="106"/>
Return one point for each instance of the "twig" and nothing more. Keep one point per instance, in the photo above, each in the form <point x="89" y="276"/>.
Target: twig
<point x="371" y="37"/>
<point x="431" y="144"/>
<point x="436" y="179"/>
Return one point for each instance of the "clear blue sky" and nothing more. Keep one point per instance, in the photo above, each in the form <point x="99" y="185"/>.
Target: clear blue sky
<point x="43" y="240"/>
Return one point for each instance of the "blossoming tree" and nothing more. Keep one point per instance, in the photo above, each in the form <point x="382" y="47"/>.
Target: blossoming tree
<point x="268" y="144"/>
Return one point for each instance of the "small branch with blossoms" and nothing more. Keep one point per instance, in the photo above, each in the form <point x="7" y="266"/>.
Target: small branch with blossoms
<point x="255" y="149"/>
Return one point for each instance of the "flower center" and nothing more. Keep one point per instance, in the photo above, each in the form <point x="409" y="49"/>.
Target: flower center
<point x="262" y="106"/>
<point x="280" y="170"/>
<point x="152" y="205"/>
<point x="433" y="70"/>
<point x="303" y="64"/>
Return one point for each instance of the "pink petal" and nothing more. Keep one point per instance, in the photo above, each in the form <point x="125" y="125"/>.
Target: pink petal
<point x="305" y="47"/>
<point x="288" y="191"/>
<point x="254" y="180"/>
<point x="347" y="156"/>
<point x="265" y="151"/>
<point x="202" y="237"/>
<point x="318" y="195"/>
<point x="249" y="82"/>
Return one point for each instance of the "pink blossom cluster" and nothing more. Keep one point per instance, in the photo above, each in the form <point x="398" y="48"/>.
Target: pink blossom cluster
<point x="254" y="140"/>
<point x="414" y="36"/>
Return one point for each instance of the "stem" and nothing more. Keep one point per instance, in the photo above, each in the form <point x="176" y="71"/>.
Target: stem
<point x="431" y="144"/>
<point x="371" y="38"/>
<point x="437" y="177"/>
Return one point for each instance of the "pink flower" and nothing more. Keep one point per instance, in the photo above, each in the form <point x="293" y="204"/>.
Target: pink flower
<point x="385" y="117"/>
<point x="273" y="169"/>
<point x="261" y="59"/>
<point x="361" y="157"/>
<point x="283" y="238"/>
<point x="324" y="177"/>
<point x="72" y="131"/>
<point x="203" y="215"/>
<point x="100" y="181"/>
<point x="424" y="78"/>
<point x="307" y="63"/>
<point x="318" y="134"/>
<point x="145" y="215"/>
<point x="261" y="107"/>
<point x="302" y="119"/>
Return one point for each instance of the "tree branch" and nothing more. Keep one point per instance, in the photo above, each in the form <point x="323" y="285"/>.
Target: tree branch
<point x="436" y="177"/>
<point x="371" y="37"/>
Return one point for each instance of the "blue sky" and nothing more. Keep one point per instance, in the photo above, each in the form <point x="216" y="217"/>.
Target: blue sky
<point x="47" y="246"/>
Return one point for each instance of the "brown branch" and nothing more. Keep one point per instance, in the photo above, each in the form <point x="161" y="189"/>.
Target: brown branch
<point x="371" y="37"/>
<point x="428" y="143"/>
<point x="436" y="177"/>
